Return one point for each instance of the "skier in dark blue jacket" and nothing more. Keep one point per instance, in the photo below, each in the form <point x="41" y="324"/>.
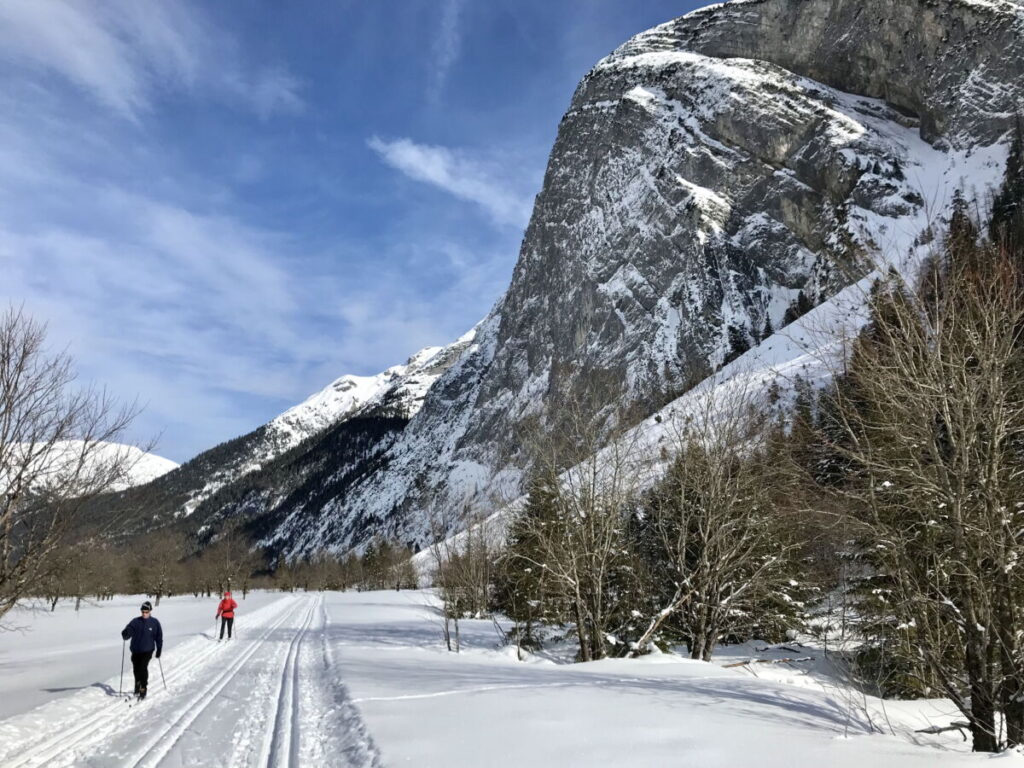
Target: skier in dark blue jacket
<point x="146" y="635"/>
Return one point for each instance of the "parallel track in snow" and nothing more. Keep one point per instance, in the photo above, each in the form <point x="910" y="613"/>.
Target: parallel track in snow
<point x="92" y="728"/>
<point x="156" y="749"/>
<point x="283" y="749"/>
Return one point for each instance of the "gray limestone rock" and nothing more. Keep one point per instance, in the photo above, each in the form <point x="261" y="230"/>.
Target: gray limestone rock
<point x="708" y="174"/>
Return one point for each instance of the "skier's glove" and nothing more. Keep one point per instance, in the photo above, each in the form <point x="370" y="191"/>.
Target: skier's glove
<point x="158" y="652"/>
<point x="125" y="634"/>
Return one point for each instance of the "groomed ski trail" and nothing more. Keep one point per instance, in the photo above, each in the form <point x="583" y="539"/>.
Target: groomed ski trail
<point x="268" y="700"/>
<point x="283" y="749"/>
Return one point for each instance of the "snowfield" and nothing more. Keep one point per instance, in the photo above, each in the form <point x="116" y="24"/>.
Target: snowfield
<point x="362" y="679"/>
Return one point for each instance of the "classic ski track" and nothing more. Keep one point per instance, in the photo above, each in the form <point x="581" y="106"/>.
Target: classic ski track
<point x="156" y="749"/>
<point x="71" y="738"/>
<point x="283" y="749"/>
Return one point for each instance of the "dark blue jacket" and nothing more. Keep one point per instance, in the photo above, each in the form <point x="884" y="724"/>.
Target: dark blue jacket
<point x="146" y="635"/>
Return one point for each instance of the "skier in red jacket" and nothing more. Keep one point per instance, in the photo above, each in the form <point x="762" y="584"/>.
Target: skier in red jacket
<point x="226" y="614"/>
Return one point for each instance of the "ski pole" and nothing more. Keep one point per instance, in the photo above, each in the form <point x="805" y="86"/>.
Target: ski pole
<point x="120" y="684"/>
<point x="161" y="665"/>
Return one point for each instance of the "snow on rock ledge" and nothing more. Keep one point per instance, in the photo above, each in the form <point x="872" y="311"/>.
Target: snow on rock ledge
<point x="706" y="173"/>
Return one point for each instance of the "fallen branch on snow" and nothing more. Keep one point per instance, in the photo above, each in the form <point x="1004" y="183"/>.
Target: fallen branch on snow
<point x="768" y="661"/>
<point x="957" y="725"/>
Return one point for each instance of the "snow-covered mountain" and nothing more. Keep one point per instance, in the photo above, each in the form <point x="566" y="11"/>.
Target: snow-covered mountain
<point x="142" y="467"/>
<point x="709" y="174"/>
<point x="713" y="179"/>
<point x="89" y="465"/>
<point x="214" y="478"/>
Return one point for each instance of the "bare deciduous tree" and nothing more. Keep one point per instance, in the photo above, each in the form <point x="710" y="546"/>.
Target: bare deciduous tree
<point x="160" y="556"/>
<point x="713" y="532"/>
<point x="930" y="419"/>
<point x="589" y="477"/>
<point x="54" y="452"/>
<point x="230" y="561"/>
<point x="463" y="565"/>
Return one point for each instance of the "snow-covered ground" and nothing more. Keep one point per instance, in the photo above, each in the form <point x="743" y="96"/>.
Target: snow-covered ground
<point x="361" y="679"/>
<point x="44" y="655"/>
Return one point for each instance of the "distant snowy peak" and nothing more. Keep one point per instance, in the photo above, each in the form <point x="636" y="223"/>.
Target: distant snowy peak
<point x="137" y="467"/>
<point x="402" y="386"/>
<point x="340" y="399"/>
<point x="398" y="392"/>
<point x="143" y="467"/>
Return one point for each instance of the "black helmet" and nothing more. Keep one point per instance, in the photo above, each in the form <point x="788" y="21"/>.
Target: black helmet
<point x="147" y="606"/>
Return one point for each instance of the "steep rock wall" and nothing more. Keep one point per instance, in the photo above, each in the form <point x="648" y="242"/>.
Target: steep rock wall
<point x="705" y="174"/>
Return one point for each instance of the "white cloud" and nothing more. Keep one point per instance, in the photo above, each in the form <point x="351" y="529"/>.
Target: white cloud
<point x="447" y="47"/>
<point x="273" y="91"/>
<point x="119" y="52"/>
<point x="458" y="174"/>
<point x="193" y="311"/>
<point x="159" y="281"/>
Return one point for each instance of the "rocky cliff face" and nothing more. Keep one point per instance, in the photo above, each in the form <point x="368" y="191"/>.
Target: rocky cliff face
<point x="710" y="174"/>
<point x="712" y="178"/>
<point x="955" y="64"/>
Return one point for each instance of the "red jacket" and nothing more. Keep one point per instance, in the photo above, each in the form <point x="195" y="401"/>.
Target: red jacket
<point x="227" y="607"/>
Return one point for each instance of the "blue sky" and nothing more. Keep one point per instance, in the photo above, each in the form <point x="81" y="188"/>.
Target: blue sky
<point x="221" y="207"/>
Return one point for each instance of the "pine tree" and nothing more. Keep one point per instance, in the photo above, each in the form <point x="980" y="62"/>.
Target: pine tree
<point x="961" y="232"/>
<point x="738" y="342"/>
<point x="800" y="306"/>
<point x="520" y="592"/>
<point x="1007" y="223"/>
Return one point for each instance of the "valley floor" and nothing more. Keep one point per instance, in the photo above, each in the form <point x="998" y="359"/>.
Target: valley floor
<point x="362" y="679"/>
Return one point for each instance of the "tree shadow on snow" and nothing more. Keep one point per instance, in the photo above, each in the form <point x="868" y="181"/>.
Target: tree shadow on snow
<point x="102" y="686"/>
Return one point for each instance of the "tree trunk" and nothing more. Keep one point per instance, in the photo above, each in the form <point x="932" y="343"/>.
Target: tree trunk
<point x="709" y="642"/>
<point x="581" y="631"/>
<point x="700" y="648"/>
<point x="1011" y="686"/>
<point x="597" y="634"/>
<point x="983" y="717"/>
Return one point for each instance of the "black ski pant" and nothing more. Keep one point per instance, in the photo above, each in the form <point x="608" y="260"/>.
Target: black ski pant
<point x="140" y="668"/>
<point x="226" y="622"/>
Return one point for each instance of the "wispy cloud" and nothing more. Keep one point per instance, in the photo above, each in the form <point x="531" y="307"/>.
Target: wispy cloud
<point x="196" y="310"/>
<point x="119" y="52"/>
<point x="218" y="323"/>
<point x="459" y="174"/>
<point x="382" y="308"/>
<point x="272" y="91"/>
<point x="157" y="283"/>
<point x="446" y="48"/>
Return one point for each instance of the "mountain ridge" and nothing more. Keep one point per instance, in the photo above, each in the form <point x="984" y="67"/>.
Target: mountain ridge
<point x="697" y="199"/>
